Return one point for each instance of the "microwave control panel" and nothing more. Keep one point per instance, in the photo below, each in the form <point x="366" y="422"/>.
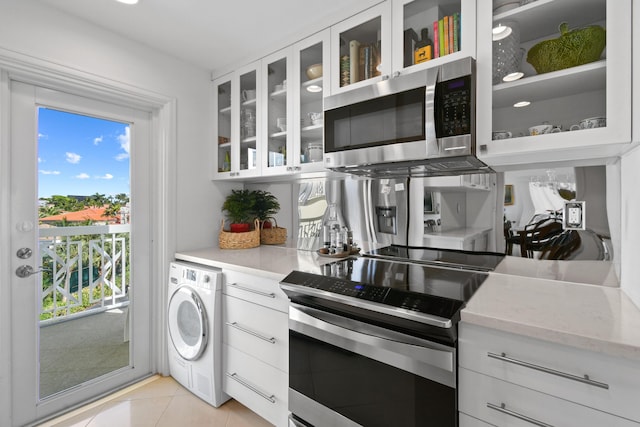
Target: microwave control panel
<point x="453" y="107"/>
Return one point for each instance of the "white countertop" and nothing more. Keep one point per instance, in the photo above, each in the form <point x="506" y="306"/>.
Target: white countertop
<point x="591" y="317"/>
<point x="534" y="299"/>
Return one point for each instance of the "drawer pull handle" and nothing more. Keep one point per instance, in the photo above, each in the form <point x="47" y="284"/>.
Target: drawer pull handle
<point x="244" y="382"/>
<point x="584" y="380"/>
<point x="235" y="325"/>
<point x="503" y="408"/>
<point x="244" y="288"/>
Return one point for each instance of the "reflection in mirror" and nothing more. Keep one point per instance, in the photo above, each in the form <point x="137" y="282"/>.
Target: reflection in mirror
<point x="312" y="204"/>
<point x="539" y="223"/>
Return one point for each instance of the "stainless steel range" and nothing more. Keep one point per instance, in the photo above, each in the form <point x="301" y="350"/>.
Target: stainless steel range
<point x="373" y="339"/>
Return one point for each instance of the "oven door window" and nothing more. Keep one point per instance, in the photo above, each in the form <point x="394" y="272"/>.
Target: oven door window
<point x="364" y="390"/>
<point x="385" y="120"/>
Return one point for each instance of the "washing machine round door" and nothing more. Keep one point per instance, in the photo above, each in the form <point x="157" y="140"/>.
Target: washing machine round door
<point x="188" y="323"/>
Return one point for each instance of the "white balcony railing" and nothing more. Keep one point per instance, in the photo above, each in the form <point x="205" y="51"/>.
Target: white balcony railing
<point x="85" y="268"/>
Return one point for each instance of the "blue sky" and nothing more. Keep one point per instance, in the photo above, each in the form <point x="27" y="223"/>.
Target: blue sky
<point x="81" y="155"/>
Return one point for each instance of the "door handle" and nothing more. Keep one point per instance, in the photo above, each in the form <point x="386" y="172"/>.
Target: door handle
<point x="24" y="253"/>
<point x="25" y="271"/>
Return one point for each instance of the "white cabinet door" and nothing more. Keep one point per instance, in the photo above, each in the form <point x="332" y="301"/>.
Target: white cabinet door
<point x="277" y="113"/>
<point x="505" y="404"/>
<point x="592" y="379"/>
<point x="237" y="124"/>
<point x="257" y="330"/>
<point x="257" y="385"/>
<point x="410" y="17"/>
<point x="562" y="98"/>
<point x="368" y="29"/>
<point x="309" y="89"/>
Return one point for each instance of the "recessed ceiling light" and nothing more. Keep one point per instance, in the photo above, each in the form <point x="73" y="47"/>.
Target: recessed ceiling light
<point x="511" y="77"/>
<point x="128" y="1"/>
<point x="521" y="104"/>
<point x="314" y="88"/>
<point x="501" y="31"/>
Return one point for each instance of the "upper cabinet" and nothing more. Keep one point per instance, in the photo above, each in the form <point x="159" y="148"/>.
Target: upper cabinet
<point x="426" y="33"/>
<point x="311" y="83"/>
<point x="361" y="48"/>
<point x="546" y="97"/>
<point x="277" y="115"/>
<point x="238" y="123"/>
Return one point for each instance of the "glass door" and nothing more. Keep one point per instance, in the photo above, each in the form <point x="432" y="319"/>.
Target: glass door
<point x="246" y="160"/>
<point x="277" y="114"/>
<point x="222" y="126"/>
<point x="429" y="32"/>
<point x="312" y="59"/>
<point x="82" y="326"/>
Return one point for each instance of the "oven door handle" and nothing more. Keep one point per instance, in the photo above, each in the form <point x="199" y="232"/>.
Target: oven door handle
<point x="421" y="357"/>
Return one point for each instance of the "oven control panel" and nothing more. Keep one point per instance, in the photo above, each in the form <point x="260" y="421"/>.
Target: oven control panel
<point x="413" y="301"/>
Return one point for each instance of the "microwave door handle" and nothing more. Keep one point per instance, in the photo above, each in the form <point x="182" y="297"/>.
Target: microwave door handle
<point x="430" y="98"/>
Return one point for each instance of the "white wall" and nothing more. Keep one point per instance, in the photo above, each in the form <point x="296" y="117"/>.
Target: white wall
<point x="30" y="27"/>
<point x="38" y="34"/>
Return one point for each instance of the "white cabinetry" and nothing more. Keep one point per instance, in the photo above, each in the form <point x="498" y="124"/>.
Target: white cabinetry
<point x="561" y="98"/>
<point x="256" y="344"/>
<point x="507" y="379"/>
<point x="370" y="29"/>
<point x="410" y="17"/>
<point x="308" y="121"/>
<point x="277" y="112"/>
<point x="237" y="124"/>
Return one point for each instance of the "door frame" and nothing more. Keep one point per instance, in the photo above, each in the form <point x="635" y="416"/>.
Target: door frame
<point x="162" y="109"/>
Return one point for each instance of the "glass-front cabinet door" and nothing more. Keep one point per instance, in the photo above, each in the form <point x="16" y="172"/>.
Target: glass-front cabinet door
<point x="250" y="121"/>
<point x="554" y="79"/>
<point x="237" y="124"/>
<point x="361" y="48"/>
<point x="311" y="60"/>
<point x="426" y="33"/>
<point x="277" y="112"/>
<point x="222" y="96"/>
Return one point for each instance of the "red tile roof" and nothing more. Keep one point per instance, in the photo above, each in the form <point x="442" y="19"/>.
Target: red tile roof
<point x="93" y="214"/>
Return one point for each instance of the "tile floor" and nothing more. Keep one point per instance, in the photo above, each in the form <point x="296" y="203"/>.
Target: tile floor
<point x="158" y="402"/>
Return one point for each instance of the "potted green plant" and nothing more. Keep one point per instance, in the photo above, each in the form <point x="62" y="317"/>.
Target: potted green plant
<point x="266" y="205"/>
<point x="239" y="206"/>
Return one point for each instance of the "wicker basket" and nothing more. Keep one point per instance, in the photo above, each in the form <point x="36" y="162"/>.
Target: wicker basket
<point x="274" y="235"/>
<point x="246" y="240"/>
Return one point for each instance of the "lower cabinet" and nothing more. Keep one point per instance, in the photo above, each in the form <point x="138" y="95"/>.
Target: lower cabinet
<point x="511" y="380"/>
<point x="255" y="351"/>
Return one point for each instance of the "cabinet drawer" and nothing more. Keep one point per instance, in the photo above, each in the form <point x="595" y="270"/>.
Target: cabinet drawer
<point x="504" y="404"/>
<point x="252" y="288"/>
<point x="256" y="330"/>
<point x="593" y="379"/>
<point x="258" y="386"/>
<point x="465" y="420"/>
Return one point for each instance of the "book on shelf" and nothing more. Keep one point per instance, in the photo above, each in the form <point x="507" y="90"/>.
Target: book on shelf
<point x="443" y="52"/>
<point x="436" y="40"/>
<point x="354" y="56"/>
<point x="446" y="35"/>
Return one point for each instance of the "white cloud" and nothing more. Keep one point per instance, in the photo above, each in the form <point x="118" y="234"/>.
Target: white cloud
<point x="42" y="136"/>
<point x="124" y="140"/>
<point x="105" y="176"/>
<point x="45" y="172"/>
<point x="97" y="140"/>
<point x="73" y="158"/>
<point x="40" y="160"/>
<point x="82" y="176"/>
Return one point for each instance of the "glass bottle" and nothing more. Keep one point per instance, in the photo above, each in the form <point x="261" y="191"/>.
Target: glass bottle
<point x="424" y="48"/>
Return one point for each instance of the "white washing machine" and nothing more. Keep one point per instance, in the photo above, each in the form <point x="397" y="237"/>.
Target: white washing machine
<point x="195" y="331"/>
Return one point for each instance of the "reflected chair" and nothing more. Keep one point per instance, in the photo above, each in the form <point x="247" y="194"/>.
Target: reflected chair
<point x="538" y="236"/>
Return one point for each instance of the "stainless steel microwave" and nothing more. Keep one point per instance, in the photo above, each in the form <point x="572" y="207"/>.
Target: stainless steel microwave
<point x="419" y="124"/>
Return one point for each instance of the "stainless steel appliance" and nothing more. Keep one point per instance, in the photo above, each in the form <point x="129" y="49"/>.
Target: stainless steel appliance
<point x="372" y="340"/>
<point x="419" y="124"/>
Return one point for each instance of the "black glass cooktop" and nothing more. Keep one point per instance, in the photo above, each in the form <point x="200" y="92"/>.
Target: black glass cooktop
<point x="466" y="260"/>
<point x="422" y="293"/>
